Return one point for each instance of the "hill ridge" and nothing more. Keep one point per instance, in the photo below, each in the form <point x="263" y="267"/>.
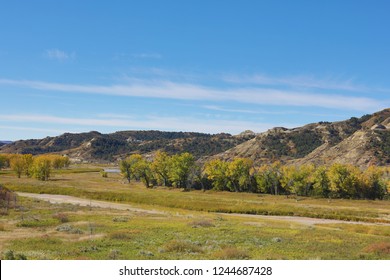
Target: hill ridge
<point x="361" y="141"/>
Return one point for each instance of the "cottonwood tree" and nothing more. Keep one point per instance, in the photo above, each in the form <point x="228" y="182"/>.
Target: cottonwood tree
<point x="41" y="168"/>
<point x="216" y="171"/>
<point x="141" y="170"/>
<point x="372" y="183"/>
<point x="239" y="174"/>
<point x="59" y="162"/>
<point x="127" y="166"/>
<point x="344" y="180"/>
<point x="297" y="180"/>
<point x="180" y="169"/>
<point x="17" y="165"/>
<point x="161" y="166"/>
<point x="268" y="178"/>
<point x="321" y="182"/>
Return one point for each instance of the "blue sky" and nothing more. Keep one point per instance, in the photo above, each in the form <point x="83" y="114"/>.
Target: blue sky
<point x="206" y="66"/>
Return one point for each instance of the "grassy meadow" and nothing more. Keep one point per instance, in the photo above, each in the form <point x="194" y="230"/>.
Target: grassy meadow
<point x="188" y="225"/>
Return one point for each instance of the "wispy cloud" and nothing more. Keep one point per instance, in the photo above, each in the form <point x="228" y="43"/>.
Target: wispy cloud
<point x="28" y="128"/>
<point x="301" y="81"/>
<point x="183" y="91"/>
<point x="147" y="55"/>
<point x="59" y="55"/>
<point x="150" y="122"/>
<point x="222" y="109"/>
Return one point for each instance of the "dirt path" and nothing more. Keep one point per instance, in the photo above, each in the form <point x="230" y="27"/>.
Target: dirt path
<point x="54" y="198"/>
<point x="305" y="220"/>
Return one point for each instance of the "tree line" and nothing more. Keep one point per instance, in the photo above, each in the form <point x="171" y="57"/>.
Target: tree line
<point x="241" y="175"/>
<point x="39" y="167"/>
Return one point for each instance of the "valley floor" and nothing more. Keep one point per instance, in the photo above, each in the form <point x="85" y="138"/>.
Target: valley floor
<point x="80" y="215"/>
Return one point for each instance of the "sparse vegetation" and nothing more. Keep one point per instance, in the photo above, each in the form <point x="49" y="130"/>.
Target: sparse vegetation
<point x="183" y="234"/>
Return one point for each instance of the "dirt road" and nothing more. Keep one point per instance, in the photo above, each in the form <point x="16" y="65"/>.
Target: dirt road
<point x="54" y="198"/>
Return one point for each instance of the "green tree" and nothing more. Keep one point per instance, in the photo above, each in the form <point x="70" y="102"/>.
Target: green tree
<point x="17" y="164"/>
<point x="141" y="170"/>
<point x="344" y="180"/>
<point x="161" y="166"/>
<point x="180" y="169"/>
<point x="60" y="162"/>
<point x="41" y="168"/>
<point x="373" y="183"/>
<point x="216" y="171"/>
<point x="27" y="164"/>
<point x="4" y="161"/>
<point x="321" y="182"/>
<point x="268" y="178"/>
<point x="239" y="174"/>
<point x="297" y="179"/>
<point x="127" y="166"/>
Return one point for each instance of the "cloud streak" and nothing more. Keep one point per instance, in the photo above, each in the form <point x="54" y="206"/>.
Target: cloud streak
<point x="132" y="122"/>
<point x="147" y="55"/>
<point x="183" y="91"/>
<point x="59" y="55"/>
<point x="297" y="82"/>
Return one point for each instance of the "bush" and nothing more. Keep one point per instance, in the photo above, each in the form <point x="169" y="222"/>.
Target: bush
<point x="379" y="248"/>
<point x="201" y="223"/>
<point x="10" y="255"/>
<point x="120" y="235"/>
<point x="182" y="247"/>
<point x="231" y="253"/>
<point x="61" y="217"/>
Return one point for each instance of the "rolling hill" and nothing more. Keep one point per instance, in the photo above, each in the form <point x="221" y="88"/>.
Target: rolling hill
<point x="360" y="141"/>
<point x="97" y="147"/>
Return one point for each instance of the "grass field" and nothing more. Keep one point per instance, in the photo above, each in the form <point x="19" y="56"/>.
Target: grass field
<point x="191" y="225"/>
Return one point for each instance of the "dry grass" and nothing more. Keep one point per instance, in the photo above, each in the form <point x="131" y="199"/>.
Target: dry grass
<point x="201" y="223"/>
<point x="121" y="235"/>
<point x="382" y="248"/>
<point x="183" y="229"/>
<point x="61" y="217"/>
<point x="182" y="247"/>
<point x="231" y="253"/>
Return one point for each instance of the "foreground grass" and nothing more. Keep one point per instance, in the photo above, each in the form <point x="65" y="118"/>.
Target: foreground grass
<point x="190" y="228"/>
<point x="39" y="230"/>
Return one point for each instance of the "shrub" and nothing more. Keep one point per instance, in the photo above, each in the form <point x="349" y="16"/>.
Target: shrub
<point x="120" y="235"/>
<point x="120" y="219"/>
<point x="69" y="229"/>
<point x="61" y="217"/>
<point x="201" y="223"/>
<point x="114" y="254"/>
<point x="231" y="253"/>
<point x="10" y="255"/>
<point x="182" y="247"/>
<point x="379" y="248"/>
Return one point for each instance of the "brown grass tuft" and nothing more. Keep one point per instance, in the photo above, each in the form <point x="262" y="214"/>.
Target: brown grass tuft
<point x="201" y="223"/>
<point x="231" y="253"/>
<point x="61" y="217"/>
<point x="378" y="248"/>
<point x="182" y="247"/>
